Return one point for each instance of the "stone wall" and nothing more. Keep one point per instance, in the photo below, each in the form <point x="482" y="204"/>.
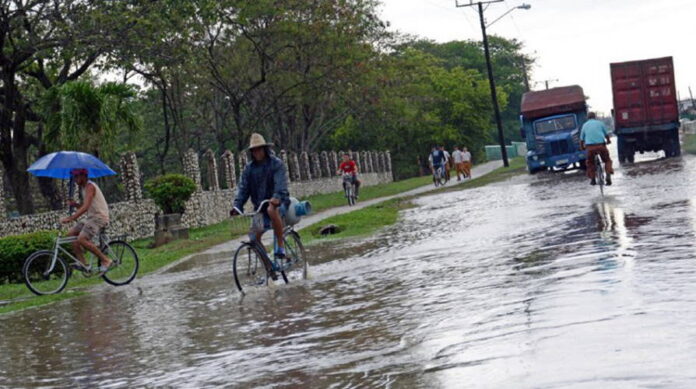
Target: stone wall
<point x="134" y="218"/>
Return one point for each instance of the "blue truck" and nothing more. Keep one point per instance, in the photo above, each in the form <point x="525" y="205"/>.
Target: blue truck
<point x="551" y="121"/>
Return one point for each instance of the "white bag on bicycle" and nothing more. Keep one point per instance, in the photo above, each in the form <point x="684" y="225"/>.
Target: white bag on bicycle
<point x="257" y="223"/>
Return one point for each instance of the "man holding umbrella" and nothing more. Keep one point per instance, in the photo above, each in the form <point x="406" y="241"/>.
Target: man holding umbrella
<point x="97" y="217"/>
<point x="79" y="166"/>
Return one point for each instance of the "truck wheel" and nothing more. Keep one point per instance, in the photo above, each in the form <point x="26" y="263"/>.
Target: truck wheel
<point x="676" y="147"/>
<point x="625" y="151"/>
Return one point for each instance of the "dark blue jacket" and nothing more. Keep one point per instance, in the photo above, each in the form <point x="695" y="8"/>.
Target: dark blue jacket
<point x="262" y="181"/>
<point x="438" y="157"/>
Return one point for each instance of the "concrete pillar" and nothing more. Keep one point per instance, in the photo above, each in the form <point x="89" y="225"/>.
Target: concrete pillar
<point x="3" y="209"/>
<point x="284" y="158"/>
<point x="367" y="163"/>
<point x="333" y="162"/>
<point x="356" y="157"/>
<point x="191" y="168"/>
<point x="65" y="192"/>
<point x="377" y="166"/>
<point x="315" y="165"/>
<point x="305" y="170"/>
<point x="324" y="160"/>
<point x="295" y="167"/>
<point x="228" y="169"/>
<point x="213" y="180"/>
<point x="242" y="161"/>
<point x="130" y="177"/>
<point x="388" y="161"/>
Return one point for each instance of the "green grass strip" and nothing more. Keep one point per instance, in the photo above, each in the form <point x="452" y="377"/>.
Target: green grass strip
<point x="366" y="221"/>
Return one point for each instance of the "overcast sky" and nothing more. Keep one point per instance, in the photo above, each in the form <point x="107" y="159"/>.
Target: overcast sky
<point x="573" y="40"/>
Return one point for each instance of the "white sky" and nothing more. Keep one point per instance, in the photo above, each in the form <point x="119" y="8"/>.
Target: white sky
<point x="573" y="40"/>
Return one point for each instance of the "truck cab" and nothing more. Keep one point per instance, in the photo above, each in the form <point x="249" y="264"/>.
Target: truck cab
<point x="551" y="121"/>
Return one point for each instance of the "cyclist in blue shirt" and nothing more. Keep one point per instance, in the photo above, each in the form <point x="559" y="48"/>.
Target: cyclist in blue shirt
<point x="437" y="159"/>
<point x="594" y="137"/>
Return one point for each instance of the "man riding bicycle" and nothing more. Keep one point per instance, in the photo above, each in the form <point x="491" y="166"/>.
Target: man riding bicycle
<point x="97" y="218"/>
<point x="349" y="167"/>
<point x="264" y="178"/>
<point x="437" y="159"/>
<point x="594" y="137"/>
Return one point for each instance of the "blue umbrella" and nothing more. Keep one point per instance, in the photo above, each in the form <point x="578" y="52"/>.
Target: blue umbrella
<point x="59" y="165"/>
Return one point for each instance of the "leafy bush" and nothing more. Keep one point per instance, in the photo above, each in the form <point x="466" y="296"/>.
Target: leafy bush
<point x="15" y="249"/>
<point x="171" y="191"/>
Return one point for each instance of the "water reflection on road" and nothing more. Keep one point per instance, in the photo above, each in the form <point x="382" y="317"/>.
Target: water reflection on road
<point x="535" y="283"/>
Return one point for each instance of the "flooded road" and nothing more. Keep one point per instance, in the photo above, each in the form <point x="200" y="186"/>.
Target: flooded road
<point x="537" y="282"/>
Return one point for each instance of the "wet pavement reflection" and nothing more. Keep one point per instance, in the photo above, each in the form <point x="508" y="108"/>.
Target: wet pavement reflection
<point x="537" y="282"/>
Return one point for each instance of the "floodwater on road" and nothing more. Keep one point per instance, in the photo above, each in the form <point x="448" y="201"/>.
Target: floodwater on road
<point x="537" y="282"/>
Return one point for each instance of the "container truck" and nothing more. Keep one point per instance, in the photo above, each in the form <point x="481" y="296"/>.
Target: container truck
<point x="551" y="121"/>
<point x="646" y="114"/>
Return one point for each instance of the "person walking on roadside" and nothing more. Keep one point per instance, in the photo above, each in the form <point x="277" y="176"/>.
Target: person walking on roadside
<point x="264" y="178"/>
<point x="96" y="212"/>
<point x="594" y="137"/>
<point x="448" y="163"/>
<point x="466" y="162"/>
<point x="458" y="160"/>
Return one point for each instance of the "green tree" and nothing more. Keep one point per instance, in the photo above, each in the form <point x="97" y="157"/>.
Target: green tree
<point x="45" y="43"/>
<point x="81" y="116"/>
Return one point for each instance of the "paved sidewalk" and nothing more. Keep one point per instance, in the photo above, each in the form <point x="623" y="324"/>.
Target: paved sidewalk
<point x="477" y="171"/>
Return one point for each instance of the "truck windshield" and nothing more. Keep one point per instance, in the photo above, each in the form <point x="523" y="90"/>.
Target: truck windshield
<point x="559" y="123"/>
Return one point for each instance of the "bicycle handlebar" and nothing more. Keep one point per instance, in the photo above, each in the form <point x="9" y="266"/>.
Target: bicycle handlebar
<point x="242" y="213"/>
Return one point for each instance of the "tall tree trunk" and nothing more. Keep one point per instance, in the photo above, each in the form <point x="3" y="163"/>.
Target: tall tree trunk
<point x="167" y="131"/>
<point x="14" y="144"/>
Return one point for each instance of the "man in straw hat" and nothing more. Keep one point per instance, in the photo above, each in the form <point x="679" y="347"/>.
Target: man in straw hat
<point x="264" y="178"/>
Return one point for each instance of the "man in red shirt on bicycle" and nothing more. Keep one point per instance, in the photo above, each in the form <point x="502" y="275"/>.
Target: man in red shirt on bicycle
<point x="348" y="166"/>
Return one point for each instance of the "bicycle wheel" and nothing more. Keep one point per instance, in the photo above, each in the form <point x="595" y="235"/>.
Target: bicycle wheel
<point x="248" y="267"/>
<point x="599" y="174"/>
<point x="127" y="263"/>
<point x="297" y="254"/>
<point x="40" y="278"/>
<point x="351" y="195"/>
<point x="346" y="192"/>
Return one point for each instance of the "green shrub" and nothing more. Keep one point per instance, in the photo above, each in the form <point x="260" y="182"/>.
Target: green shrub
<point x="15" y="249"/>
<point x="171" y="191"/>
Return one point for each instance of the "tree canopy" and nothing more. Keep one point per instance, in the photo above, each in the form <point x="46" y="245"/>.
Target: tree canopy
<point x="309" y="75"/>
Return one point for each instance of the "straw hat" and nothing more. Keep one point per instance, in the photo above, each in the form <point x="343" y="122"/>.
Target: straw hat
<point x="257" y="140"/>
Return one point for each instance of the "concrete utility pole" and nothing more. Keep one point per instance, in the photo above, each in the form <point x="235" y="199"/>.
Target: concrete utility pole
<point x="489" y="66"/>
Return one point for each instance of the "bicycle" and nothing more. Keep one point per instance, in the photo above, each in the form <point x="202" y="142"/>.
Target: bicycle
<point x="439" y="177"/>
<point x="599" y="173"/>
<point x="349" y="188"/>
<point x="46" y="272"/>
<point x="252" y="265"/>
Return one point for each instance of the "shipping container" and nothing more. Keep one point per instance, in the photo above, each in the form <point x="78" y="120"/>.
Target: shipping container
<point x="646" y="114"/>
